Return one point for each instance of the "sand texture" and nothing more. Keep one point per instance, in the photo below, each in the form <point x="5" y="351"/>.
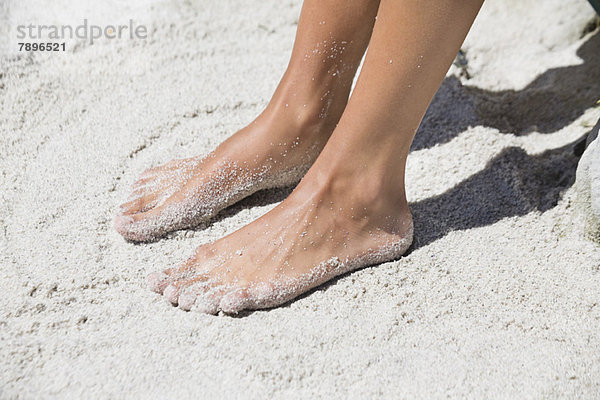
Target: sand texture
<point x="499" y="296"/>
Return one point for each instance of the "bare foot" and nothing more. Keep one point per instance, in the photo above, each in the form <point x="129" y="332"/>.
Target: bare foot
<point x="279" y="146"/>
<point x="325" y="228"/>
<point x="275" y="150"/>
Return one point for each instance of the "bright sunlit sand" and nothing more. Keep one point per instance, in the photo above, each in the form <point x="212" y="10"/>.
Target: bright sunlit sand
<point x="498" y="296"/>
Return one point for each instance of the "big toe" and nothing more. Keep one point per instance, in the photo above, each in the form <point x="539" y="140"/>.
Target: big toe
<point x="139" y="204"/>
<point x="144" y="226"/>
<point x="235" y="301"/>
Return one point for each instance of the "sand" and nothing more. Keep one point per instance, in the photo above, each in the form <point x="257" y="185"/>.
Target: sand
<point x="497" y="298"/>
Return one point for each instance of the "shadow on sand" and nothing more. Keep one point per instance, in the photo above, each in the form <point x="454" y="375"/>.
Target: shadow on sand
<point x="553" y="100"/>
<point x="513" y="183"/>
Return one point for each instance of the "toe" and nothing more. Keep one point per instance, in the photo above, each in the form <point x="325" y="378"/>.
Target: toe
<point x="187" y="299"/>
<point x="140" y="183"/>
<point x="155" y="184"/>
<point x="131" y="206"/>
<point x="171" y="293"/>
<point x="158" y="281"/>
<point x="235" y="301"/>
<point x="193" y="271"/>
<point x="209" y="301"/>
<point x="122" y="224"/>
<point x="144" y="226"/>
<point x="149" y="174"/>
<point x="174" y="213"/>
<point x="196" y="284"/>
<point x="189" y="294"/>
<point x="140" y="204"/>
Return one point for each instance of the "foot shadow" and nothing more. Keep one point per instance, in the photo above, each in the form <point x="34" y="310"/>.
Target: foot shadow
<point x="512" y="184"/>
<point x="552" y="101"/>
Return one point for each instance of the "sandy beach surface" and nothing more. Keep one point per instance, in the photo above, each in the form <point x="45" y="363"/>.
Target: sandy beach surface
<point x="499" y="297"/>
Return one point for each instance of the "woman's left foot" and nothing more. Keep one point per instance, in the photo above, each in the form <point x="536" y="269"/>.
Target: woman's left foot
<point x="328" y="226"/>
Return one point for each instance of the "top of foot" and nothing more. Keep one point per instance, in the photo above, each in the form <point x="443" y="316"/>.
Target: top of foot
<point x="183" y="193"/>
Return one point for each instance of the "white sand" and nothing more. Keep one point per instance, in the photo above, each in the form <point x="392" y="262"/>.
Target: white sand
<point x="498" y="298"/>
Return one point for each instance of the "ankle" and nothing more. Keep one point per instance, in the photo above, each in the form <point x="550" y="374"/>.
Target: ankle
<point x="303" y="118"/>
<point x="378" y="197"/>
<point x="309" y="103"/>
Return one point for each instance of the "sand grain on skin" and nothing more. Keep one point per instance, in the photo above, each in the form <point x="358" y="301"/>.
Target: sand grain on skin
<point x="498" y="297"/>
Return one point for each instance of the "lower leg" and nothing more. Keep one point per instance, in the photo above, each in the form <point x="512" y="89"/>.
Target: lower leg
<point x="350" y="209"/>
<point x="331" y="39"/>
<point x="413" y="45"/>
<point x="279" y="146"/>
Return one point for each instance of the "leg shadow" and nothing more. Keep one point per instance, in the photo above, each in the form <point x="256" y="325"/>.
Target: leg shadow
<point x="512" y="184"/>
<point x="552" y="101"/>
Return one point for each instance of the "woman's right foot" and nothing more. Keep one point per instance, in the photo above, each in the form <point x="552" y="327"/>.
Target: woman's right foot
<point x="275" y="150"/>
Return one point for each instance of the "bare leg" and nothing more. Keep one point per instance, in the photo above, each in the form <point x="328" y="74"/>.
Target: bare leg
<point x="279" y="146"/>
<point x="350" y="209"/>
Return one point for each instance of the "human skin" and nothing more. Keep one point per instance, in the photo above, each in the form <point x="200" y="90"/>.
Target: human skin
<point x="350" y="209"/>
<point x="279" y="146"/>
